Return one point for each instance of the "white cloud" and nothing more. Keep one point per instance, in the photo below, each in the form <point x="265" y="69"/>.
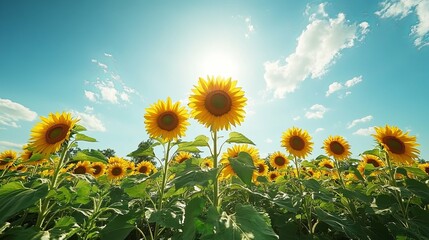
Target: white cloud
<point x="353" y="81"/>
<point x="107" y="54"/>
<point x="320" y="12"/>
<point x="317" y="48"/>
<point x="319" y="130"/>
<point x="90" y="121"/>
<point x="89" y="109"/>
<point x="296" y="118"/>
<point x="335" y="86"/>
<point x="365" y="131"/>
<point x="268" y="140"/>
<point x="316" y="112"/>
<point x="348" y="93"/>
<point x="250" y="27"/>
<point x="402" y="8"/>
<point x="360" y="120"/>
<point x="11" y="113"/>
<point x="124" y="97"/>
<point x="4" y="145"/>
<point x="91" y="96"/>
<point x="108" y="91"/>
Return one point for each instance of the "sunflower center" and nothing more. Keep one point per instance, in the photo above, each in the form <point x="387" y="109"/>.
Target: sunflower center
<point x="427" y="170"/>
<point x="297" y="143"/>
<point x="19" y="168"/>
<point x="218" y="103"/>
<point x="97" y="169"/>
<point x="117" y="171"/>
<point x="56" y="133"/>
<point x="168" y="121"/>
<point x="80" y="170"/>
<point x="337" y="148"/>
<point x="273" y="176"/>
<point x="327" y="165"/>
<point x="395" y="145"/>
<point x="261" y="168"/>
<point x="3" y="162"/>
<point x="280" y="161"/>
<point x="373" y="162"/>
<point x="143" y="169"/>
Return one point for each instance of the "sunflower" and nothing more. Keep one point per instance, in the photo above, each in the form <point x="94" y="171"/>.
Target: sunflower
<point x="166" y="120"/>
<point x="7" y="158"/>
<point x="261" y="170"/>
<point x="278" y="160"/>
<point x="233" y="152"/>
<point x="326" y="164"/>
<point x="116" y="159"/>
<point x="20" y="168"/>
<point x="400" y="146"/>
<point x="145" y="167"/>
<point x="297" y="142"/>
<point x="82" y="168"/>
<point x="98" y="169"/>
<point x="207" y="163"/>
<point x="182" y="156"/>
<point x="337" y="147"/>
<point x="217" y="103"/>
<point x="424" y="167"/>
<point x="273" y="175"/>
<point x="116" y="171"/>
<point x="49" y="134"/>
<point x="131" y="166"/>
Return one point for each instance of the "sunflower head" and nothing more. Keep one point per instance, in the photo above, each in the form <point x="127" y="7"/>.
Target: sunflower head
<point x="278" y="160"/>
<point x="7" y="158"/>
<point x="326" y="164"/>
<point x="98" y="169"/>
<point x="116" y="171"/>
<point x="207" y="163"/>
<point x="337" y="147"/>
<point x="273" y="175"/>
<point x="399" y="145"/>
<point x="261" y="170"/>
<point x="297" y="142"/>
<point x="145" y="167"/>
<point x="217" y="103"/>
<point x="182" y="156"/>
<point x="166" y="120"/>
<point x="82" y="168"/>
<point x="424" y="167"/>
<point x="48" y="135"/>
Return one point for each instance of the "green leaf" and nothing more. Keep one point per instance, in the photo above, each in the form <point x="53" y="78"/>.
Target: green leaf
<point x="170" y="217"/>
<point x="193" y="209"/>
<point x="82" y="192"/>
<point x="416" y="172"/>
<point x="355" y="195"/>
<point x="119" y="227"/>
<point x="83" y="137"/>
<point x="357" y="173"/>
<point x="201" y="141"/>
<point x="322" y="157"/>
<point x="418" y="188"/>
<point x="90" y="155"/>
<point x="374" y="152"/>
<point x="79" y="128"/>
<point x="14" y="197"/>
<point x="64" y="228"/>
<point x="243" y="166"/>
<point x="194" y="177"/>
<point x="65" y="222"/>
<point x="31" y="233"/>
<point x="236" y="137"/>
<point x="352" y="229"/>
<point x="142" y="152"/>
<point x="188" y="147"/>
<point x="137" y="191"/>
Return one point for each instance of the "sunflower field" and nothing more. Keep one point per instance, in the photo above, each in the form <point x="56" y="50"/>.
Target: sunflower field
<point x="231" y="193"/>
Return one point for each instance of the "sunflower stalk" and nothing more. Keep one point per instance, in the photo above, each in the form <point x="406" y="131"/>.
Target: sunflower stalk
<point x="215" y="165"/>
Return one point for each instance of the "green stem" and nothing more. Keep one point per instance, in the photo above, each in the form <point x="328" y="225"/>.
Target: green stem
<point x="215" y="165"/>
<point x="163" y="183"/>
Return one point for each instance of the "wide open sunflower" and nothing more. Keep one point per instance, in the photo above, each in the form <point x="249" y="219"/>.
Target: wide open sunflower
<point x="400" y="146"/>
<point x="273" y="175"/>
<point x="49" y="134"/>
<point x="182" y="156"/>
<point x="207" y="163"/>
<point x="145" y="167"/>
<point x="424" y="167"/>
<point x="261" y="170"/>
<point x="166" y="119"/>
<point x="7" y="158"/>
<point x="232" y="152"/>
<point x="326" y="164"/>
<point x="116" y="171"/>
<point x="370" y="159"/>
<point x="82" y="168"/>
<point x="337" y="147"/>
<point x="297" y="142"/>
<point x="278" y="160"/>
<point x="217" y="103"/>
<point x="98" y="169"/>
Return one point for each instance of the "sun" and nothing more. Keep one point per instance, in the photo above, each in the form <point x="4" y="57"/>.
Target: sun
<point x="219" y="63"/>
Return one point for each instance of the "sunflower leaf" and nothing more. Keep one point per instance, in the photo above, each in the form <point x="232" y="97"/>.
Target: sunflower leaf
<point x="321" y="157"/>
<point x="90" y="155"/>
<point x="201" y="141"/>
<point x="83" y="137"/>
<point x="236" y="137"/>
<point x="142" y="152"/>
<point x="188" y="147"/>
<point x="243" y="166"/>
<point x="374" y="152"/>
<point x="79" y="128"/>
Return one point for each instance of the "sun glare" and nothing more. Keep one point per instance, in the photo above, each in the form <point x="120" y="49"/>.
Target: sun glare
<point x="219" y="64"/>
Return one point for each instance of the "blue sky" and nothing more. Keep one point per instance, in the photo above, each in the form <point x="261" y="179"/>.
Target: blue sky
<point x="330" y="67"/>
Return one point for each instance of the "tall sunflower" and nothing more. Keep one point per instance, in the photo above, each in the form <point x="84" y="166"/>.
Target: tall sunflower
<point x="337" y="147"/>
<point x="217" y="103"/>
<point x="278" y="160"/>
<point x="116" y="171"/>
<point x="399" y="145"/>
<point x="182" y="156"/>
<point x="145" y="167"/>
<point x="98" y="169"/>
<point x="7" y="158"/>
<point x="166" y="120"/>
<point x="232" y="152"/>
<point x="297" y="142"/>
<point x="48" y="135"/>
<point x="82" y="168"/>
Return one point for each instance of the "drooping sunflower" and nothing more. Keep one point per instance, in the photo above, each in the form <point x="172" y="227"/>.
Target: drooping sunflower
<point x="7" y="158"/>
<point x="217" y="103"/>
<point x="261" y="170"/>
<point x="424" y="167"/>
<point x="232" y="152"/>
<point x="278" y="160"/>
<point x="48" y="135"/>
<point x="182" y="156"/>
<point x="145" y="167"/>
<point x="82" y="168"/>
<point x="166" y="120"/>
<point x="326" y="164"/>
<point x="337" y="147"/>
<point x="399" y="145"/>
<point x="116" y="171"/>
<point x="207" y="163"/>
<point x="273" y="175"/>
<point x="297" y="142"/>
<point x="98" y="169"/>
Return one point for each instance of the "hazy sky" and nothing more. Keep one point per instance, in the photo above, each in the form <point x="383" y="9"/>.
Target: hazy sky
<point x="332" y="68"/>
